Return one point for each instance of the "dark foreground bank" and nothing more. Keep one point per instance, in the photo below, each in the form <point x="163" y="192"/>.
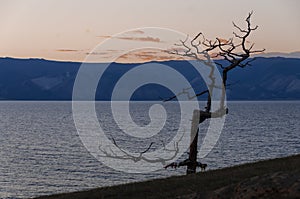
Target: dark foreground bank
<point x="276" y="178"/>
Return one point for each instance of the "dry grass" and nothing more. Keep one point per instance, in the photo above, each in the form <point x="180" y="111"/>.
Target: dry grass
<point x="186" y="186"/>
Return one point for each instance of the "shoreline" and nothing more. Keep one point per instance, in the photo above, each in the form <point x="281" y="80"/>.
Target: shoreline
<point x="265" y="178"/>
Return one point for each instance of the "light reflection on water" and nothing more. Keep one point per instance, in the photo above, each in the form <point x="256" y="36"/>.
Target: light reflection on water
<point x="41" y="153"/>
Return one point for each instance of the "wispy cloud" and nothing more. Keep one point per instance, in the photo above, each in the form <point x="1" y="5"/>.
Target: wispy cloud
<point x="223" y="41"/>
<point x="67" y="50"/>
<point x="145" y="56"/>
<point x="107" y="52"/>
<point x="104" y="36"/>
<point x="147" y="39"/>
<point x="137" y="32"/>
<point x="142" y="39"/>
<point x="97" y="53"/>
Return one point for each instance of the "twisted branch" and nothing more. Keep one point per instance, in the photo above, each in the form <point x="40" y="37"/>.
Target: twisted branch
<point x="235" y="52"/>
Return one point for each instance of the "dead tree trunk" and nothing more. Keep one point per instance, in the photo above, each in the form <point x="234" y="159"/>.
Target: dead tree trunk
<point x="191" y="167"/>
<point x="235" y="51"/>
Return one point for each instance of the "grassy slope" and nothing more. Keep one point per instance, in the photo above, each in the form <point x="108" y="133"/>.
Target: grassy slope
<point x="200" y="183"/>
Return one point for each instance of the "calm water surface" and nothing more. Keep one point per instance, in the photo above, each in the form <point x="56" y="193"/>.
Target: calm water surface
<point x="41" y="152"/>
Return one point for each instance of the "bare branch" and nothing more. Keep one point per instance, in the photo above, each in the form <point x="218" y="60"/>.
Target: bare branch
<point x="148" y="148"/>
<point x="240" y="29"/>
<point x="235" y="51"/>
<point x="248" y="63"/>
<point x="128" y="156"/>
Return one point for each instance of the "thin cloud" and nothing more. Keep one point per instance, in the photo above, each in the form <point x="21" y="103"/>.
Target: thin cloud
<point x="137" y="32"/>
<point x="67" y="50"/>
<point x="143" y="39"/>
<point x="223" y="41"/>
<point x="176" y="50"/>
<point x="107" y="52"/>
<point x="146" y="56"/>
<point x="147" y="39"/>
<point x="97" y="53"/>
<point x="104" y="36"/>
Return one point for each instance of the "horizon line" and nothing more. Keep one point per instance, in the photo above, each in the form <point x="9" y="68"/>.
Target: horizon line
<point x="265" y="55"/>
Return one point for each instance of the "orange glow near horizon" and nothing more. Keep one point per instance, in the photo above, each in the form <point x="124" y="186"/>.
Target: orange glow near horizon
<point x="68" y="30"/>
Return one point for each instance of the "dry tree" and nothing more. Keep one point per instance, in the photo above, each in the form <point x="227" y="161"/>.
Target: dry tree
<point x="235" y="52"/>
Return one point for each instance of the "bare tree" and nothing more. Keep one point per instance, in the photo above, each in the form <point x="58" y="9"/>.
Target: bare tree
<point x="235" y="52"/>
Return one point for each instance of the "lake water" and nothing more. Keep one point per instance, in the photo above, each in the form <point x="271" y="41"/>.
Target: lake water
<point x="41" y="152"/>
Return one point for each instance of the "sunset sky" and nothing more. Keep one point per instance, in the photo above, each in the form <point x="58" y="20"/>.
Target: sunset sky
<point x="70" y="29"/>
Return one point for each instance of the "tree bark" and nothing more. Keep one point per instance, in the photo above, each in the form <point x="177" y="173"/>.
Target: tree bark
<point x="191" y="167"/>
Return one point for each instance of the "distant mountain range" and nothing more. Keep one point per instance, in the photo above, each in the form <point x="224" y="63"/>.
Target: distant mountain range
<point x="273" y="78"/>
<point x="295" y="54"/>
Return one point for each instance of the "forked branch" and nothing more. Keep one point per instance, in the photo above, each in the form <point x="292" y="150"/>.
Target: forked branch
<point x="233" y="50"/>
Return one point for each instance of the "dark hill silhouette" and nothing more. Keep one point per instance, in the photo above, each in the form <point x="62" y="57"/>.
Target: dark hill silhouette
<point x="37" y="79"/>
